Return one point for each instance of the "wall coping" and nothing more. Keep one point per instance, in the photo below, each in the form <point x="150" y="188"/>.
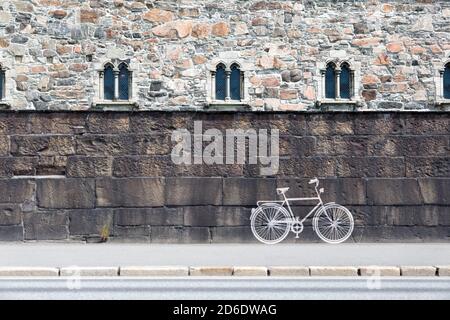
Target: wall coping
<point x="233" y="111"/>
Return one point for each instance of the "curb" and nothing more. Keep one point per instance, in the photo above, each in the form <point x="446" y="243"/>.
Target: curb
<point x="229" y="271"/>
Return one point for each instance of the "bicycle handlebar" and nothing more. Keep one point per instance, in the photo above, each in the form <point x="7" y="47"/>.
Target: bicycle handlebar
<point x="315" y="180"/>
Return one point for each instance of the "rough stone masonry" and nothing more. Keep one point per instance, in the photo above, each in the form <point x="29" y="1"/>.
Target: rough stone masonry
<point x="79" y="176"/>
<point x="52" y="50"/>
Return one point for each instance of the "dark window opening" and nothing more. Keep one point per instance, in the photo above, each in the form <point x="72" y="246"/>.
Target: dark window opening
<point x="447" y="82"/>
<point x="124" y="83"/>
<point x="221" y="80"/>
<point x="2" y="84"/>
<point x="109" y="83"/>
<point x="345" y="82"/>
<point x="235" y="82"/>
<point x="330" y="82"/>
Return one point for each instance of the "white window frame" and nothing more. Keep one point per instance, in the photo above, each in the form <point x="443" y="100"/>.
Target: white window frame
<point x="4" y="97"/>
<point x="439" y="81"/>
<point x="355" y="81"/>
<point x="211" y="83"/>
<point x="115" y="104"/>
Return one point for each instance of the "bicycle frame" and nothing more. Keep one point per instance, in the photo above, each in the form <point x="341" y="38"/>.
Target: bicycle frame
<point x="287" y="201"/>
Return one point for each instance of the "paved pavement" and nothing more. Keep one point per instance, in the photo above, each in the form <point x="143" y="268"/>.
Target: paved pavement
<point x="227" y="288"/>
<point x="60" y="255"/>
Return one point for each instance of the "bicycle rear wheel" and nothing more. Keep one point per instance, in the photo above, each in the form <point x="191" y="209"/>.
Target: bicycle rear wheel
<point x="270" y="223"/>
<point x="333" y="223"/>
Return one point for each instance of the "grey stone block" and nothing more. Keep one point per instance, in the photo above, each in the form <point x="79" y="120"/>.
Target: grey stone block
<point x="250" y="271"/>
<point x="418" y="271"/>
<point x="86" y="167"/>
<point x="10" y="214"/>
<point x="11" y="233"/>
<point x="46" y="225"/>
<point x="169" y="271"/>
<point x="288" y="271"/>
<point x="90" y="222"/>
<point x="132" y="192"/>
<point x="179" y="235"/>
<point x="148" y="216"/>
<point x="379" y="271"/>
<point x="89" y="272"/>
<point x="435" y="191"/>
<point x="443" y="271"/>
<point x="333" y="271"/>
<point x="28" y="272"/>
<point x="244" y="191"/>
<point x="66" y="193"/>
<point x="232" y="235"/>
<point x="16" y="191"/>
<point x="216" y="216"/>
<point x="393" y="192"/>
<point x="370" y="167"/>
<point x="217" y="271"/>
<point x="193" y="191"/>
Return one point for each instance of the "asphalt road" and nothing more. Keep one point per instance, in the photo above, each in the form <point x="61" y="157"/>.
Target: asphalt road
<point x="227" y="289"/>
<point x="60" y="255"/>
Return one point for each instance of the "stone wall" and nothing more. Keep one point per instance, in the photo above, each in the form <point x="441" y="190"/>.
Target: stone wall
<point x="52" y="50"/>
<point x="78" y="175"/>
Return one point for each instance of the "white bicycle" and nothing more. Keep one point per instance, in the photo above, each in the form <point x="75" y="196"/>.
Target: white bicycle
<point x="271" y="222"/>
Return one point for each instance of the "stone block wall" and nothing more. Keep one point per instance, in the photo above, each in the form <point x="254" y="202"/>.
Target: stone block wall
<point x="52" y="50"/>
<point x="73" y="176"/>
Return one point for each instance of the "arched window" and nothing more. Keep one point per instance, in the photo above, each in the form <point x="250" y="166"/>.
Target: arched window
<point x="447" y="81"/>
<point x="124" y="82"/>
<point x="221" y="82"/>
<point x="330" y="81"/>
<point x="345" y="82"/>
<point x="109" y="82"/>
<point x="235" y="82"/>
<point x="117" y="81"/>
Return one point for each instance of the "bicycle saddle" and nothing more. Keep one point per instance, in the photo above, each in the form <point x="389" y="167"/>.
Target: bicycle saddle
<point x="282" y="190"/>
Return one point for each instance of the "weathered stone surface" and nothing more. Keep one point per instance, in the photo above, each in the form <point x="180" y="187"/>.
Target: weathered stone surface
<point x="65" y="193"/>
<point x="133" y="192"/>
<point x="16" y="191"/>
<point x="97" y="222"/>
<point x="89" y="271"/>
<point x="84" y="167"/>
<point x="11" y="233"/>
<point x="149" y="216"/>
<point x="418" y="271"/>
<point x="379" y="271"/>
<point x="435" y="191"/>
<point x="172" y="271"/>
<point x="179" y="235"/>
<point x="247" y="271"/>
<point x="285" y="271"/>
<point x="215" y="216"/>
<point x="193" y="191"/>
<point x="28" y="272"/>
<point x="42" y="145"/>
<point x="210" y="271"/>
<point x="10" y="214"/>
<point x="46" y="225"/>
<point x="242" y="191"/>
<point x="333" y="271"/>
<point x="393" y="191"/>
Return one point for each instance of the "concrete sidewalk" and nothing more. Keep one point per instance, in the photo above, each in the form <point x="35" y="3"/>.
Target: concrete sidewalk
<point x="113" y="255"/>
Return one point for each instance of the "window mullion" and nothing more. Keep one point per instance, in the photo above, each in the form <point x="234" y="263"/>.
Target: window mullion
<point x="116" y="84"/>
<point x="338" y="83"/>
<point x="228" y="85"/>
<point x="213" y="85"/>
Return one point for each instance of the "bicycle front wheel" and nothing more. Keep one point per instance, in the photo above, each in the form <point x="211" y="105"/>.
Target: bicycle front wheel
<point x="270" y="223"/>
<point x="333" y="223"/>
